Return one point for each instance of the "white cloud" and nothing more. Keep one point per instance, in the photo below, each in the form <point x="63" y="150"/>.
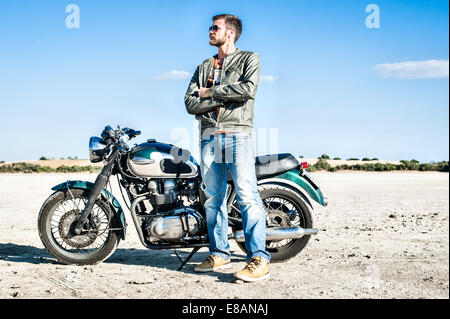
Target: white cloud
<point x="268" y="78"/>
<point x="430" y="69"/>
<point x="173" y="75"/>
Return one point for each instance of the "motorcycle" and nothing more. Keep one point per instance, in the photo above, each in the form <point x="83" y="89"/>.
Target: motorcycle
<point x="82" y="223"/>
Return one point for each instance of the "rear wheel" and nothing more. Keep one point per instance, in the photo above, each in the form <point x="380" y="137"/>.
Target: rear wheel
<point x="58" y="218"/>
<point x="284" y="208"/>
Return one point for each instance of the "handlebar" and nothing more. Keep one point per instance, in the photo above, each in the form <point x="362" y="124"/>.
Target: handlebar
<point x="120" y="135"/>
<point x="130" y="132"/>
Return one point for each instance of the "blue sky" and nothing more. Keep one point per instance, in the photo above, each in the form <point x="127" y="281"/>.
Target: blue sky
<point x="331" y="85"/>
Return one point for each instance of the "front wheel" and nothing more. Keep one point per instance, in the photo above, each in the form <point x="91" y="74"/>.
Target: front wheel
<point x="284" y="208"/>
<point x="58" y="218"/>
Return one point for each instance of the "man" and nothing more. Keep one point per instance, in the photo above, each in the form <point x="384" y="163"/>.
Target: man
<point x="221" y="95"/>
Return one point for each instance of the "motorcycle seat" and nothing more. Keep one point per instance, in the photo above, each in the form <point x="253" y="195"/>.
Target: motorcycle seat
<point x="272" y="165"/>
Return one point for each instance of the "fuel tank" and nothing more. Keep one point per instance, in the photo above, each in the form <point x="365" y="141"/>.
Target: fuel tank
<point x="160" y="160"/>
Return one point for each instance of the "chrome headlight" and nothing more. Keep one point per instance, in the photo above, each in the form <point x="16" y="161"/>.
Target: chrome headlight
<point x="97" y="149"/>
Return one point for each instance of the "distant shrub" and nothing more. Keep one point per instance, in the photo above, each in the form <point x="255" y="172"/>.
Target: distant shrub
<point x="72" y="169"/>
<point x="441" y="167"/>
<point x="24" y="168"/>
<point x="94" y="169"/>
<point x="44" y="169"/>
<point x="410" y="165"/>
<point x="43" y="158"/>
<point x="337" y="159"/>
<point x="32" y="168"/>
<point x="324" y="156"/>
<point x="375" y="159"/>
<point x="379" y="167"/>
<point x="321" y="165"/>
<point x="366" y="159"/>
<point x="353" y="159"/>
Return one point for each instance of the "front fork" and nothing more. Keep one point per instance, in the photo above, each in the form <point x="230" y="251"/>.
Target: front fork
<point x="96" y="190"/>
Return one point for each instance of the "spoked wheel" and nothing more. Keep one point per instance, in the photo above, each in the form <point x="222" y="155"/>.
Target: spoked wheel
<point x="57" y="221"/>
<point x="284" y="208"/>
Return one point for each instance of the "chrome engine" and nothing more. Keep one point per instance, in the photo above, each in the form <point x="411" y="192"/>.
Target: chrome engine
<point x="180" y="224"/>
<point x="173" y="221"/>
<point x="166" y="192"/>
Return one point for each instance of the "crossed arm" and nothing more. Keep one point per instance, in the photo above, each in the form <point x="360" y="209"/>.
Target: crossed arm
<point x="196" y="104"/>
<point x="199" y="100"/>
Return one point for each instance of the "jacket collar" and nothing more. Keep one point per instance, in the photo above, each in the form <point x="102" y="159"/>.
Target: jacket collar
<point x="229" y="55"/>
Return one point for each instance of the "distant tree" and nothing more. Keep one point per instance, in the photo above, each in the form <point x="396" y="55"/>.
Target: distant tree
<point x="324" y="157"/>
<point x="374" y="159"/>
<point x="300" y="156"/>
<point x="337" y="159"/>
<point x="353" y="159"/>
<point x="43" y="158"/>
<point x="366" y="159"/>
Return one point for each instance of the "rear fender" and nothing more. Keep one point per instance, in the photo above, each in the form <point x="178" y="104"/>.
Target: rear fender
<point x="106" y="195"/>
<point x="302" y="184"/>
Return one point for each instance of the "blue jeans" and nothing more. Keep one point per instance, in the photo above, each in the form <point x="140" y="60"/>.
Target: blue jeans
<point x="234" y="151"/>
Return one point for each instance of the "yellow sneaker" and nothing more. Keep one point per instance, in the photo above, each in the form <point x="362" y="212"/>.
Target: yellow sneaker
<point x="256" y="269"/>
<point x="213" y="263"/>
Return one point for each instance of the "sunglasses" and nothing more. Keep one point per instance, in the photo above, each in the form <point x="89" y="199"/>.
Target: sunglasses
<point x="214" y="28"/>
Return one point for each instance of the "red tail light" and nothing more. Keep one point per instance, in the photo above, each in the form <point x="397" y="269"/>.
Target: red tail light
<point x="305" y="165"/>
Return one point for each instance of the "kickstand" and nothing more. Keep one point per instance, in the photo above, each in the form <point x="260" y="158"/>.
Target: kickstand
<point x="184" y="262"/>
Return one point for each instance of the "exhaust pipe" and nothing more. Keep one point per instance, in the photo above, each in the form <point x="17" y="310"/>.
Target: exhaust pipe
<point x="275" y="234"/>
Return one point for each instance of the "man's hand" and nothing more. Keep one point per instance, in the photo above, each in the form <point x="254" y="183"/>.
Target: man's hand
<point x="204" y="92"/>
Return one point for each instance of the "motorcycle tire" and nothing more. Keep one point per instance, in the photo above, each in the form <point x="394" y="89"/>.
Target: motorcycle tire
<point x="294" y="246"/>
<point x="56" y="246"/>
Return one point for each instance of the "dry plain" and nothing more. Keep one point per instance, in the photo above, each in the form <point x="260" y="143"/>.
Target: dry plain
<point x="383" y="235"/>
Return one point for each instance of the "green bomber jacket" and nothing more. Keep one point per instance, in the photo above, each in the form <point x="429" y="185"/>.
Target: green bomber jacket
<point x="235" y="95"/>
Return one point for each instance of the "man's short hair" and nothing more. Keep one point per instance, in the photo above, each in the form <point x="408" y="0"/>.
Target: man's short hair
<point x="232" y="22"/>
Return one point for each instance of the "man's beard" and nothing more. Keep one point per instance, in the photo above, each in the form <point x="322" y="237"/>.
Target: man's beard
<point x="217" y="42"/>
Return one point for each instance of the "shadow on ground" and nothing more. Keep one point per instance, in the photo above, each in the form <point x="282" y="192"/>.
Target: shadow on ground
<point x="166" y="259"/>
<point x="25" y="254"/>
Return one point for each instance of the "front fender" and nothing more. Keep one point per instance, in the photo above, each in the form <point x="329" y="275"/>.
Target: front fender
<point x="106" y="195"/>
<point x="302" y="183"/>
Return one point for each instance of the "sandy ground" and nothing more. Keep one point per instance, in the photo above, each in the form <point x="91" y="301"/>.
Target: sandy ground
<point x="383" y="235"/>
